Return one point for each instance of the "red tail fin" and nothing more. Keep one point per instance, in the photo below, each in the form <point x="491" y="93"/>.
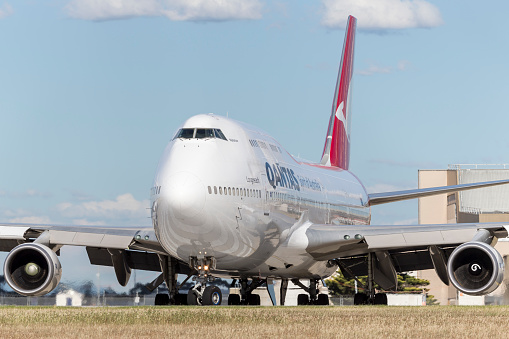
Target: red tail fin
<point x="337" y="145"/>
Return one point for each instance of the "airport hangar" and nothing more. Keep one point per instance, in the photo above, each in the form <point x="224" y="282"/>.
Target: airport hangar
<point x="479" y="205"/>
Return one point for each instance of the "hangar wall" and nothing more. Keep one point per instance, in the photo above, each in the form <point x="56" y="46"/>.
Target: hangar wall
<point x="480" y="205"/>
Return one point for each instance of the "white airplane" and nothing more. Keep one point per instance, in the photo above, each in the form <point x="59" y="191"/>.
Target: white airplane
<point x="229" y="201"/>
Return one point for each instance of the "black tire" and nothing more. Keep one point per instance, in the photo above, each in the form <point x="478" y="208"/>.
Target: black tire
<point x="323" y="299"/>
<point x="360" y="299"/>
<point x="253" y="299"/>
<point x="212" y="296"/>
<point x="380" y="299"/>
<point x="234" y="299"/>
<point x="302" y="299"/>
<point x="162" y="299"/>
<point x="192" y="298"/>
<point x="180" y="299"/>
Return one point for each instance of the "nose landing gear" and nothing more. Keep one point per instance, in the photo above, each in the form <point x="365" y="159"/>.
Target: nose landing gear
<point x="201" y="294"/>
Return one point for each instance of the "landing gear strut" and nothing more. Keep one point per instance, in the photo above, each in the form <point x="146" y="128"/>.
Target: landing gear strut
<point x="313" y="297"/>
<point x="246" y="296"/>
<point x="201" y="294"/>
<point x="371" y="297"/>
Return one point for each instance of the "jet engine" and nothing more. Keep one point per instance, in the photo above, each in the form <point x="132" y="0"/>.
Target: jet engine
<point x="32" y="269"/>
<point x="475" y="268"/>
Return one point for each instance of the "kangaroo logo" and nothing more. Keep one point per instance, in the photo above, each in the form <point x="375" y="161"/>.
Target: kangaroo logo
<point x="341" y="117"/>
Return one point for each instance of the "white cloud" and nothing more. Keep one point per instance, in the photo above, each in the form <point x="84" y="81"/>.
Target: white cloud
<point x="30" y="220"/>
<point x="177" y="10"/>
<point x="381" y="14"/>
<point x="88" y="222"/>
<point x="124" y="207"/>
<point x="374" y="69"/>
<point x="5" y="10"/>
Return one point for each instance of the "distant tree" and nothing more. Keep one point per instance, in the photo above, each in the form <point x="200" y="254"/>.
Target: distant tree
<point x="88" y="289"/>
<point x="339" y="285"/>
<point x="139" y="288"/>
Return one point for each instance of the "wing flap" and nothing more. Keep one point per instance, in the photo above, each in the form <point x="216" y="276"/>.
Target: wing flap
<point x="14" y="233"/>
<point x="90" y="239"/>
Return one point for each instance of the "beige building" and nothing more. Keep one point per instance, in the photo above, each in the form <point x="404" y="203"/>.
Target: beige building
<point x="479" y="205"/>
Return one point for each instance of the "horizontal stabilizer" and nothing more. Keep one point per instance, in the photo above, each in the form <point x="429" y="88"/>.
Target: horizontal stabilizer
<point x="384" y="198"/>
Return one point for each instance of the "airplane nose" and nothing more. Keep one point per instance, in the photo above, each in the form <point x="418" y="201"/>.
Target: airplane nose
<point x="185" y="194"/>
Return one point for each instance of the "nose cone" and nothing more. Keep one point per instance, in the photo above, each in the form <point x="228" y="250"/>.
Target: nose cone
<point x="185" y="195"/>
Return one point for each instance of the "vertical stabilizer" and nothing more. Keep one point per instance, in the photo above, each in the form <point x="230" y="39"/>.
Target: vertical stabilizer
<point x="336" y="151"/>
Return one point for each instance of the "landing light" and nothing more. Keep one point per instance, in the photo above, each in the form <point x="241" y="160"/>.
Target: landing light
<point x="146" y="237"/>
<point x="346" y="237"/>
<point x="138" y="237"/>
<point x="358" y="236"/>
<point x="206" y="268"/>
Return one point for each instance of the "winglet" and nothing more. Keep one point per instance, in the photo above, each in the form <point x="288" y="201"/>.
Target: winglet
<point x="336" y="151"/>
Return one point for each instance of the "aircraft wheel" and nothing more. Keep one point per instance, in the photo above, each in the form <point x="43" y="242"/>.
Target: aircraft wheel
<point x="380" y="299"/>
<point x="234" y="299"/>
<point x="360" y="299"/>
<point x="192" y="297"/>
<point x="162" y="299"/>
<point x="323" y="299"/>
<point x="212" y="296"/>
<point x="180" y="299"/>
<point x="302" y="299"/>
<point x="254" y="300"/>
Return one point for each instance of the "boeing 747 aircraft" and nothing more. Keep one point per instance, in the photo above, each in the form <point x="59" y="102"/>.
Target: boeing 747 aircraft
<point x="229" y="201"/>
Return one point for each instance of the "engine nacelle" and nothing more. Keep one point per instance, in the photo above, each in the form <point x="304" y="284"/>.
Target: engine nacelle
<point x="475" y="268"/>
<point x="32" y="269"/>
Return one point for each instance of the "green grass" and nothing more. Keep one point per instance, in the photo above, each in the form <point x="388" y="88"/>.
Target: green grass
<point x="255" y="322"/>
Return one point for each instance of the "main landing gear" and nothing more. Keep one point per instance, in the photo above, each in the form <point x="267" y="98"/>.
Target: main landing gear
<point x="313" y="297"/>
<point x="246" y="297"/>
<point x="371" y="297"/>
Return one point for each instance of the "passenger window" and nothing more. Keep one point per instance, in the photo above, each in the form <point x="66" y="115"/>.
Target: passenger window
<point x="229" y="191"/>
<point x="210" y="190"/>
<point x="215" y="190"/>
<point x="237" y="191"/>
<point x="220" y="190"/>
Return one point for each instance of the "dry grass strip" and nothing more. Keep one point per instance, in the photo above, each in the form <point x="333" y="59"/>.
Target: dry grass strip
<point x="255" y="322"/>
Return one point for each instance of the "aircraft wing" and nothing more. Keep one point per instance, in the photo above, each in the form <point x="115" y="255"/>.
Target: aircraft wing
<point x="122" y="248"/>
<point x="387" y="197"/>
<point x="400" y="248"/>
<point x="91" y="236"/>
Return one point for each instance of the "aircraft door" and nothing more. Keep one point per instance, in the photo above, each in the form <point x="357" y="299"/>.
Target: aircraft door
<point x="265" y="194"/>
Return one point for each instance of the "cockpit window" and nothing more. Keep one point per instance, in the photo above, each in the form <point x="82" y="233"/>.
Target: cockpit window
<point x="200" y="133"/>
<point x="185" y="133"/>
<point x="219" y="134"/>
<point x="204" y="133"/>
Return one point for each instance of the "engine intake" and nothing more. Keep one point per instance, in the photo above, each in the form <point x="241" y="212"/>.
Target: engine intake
<point x="475" y="268"/>
<point x="32" y="269"/>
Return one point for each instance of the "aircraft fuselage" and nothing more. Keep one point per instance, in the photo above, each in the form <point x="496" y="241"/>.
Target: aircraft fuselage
<point x="238" y="196"/>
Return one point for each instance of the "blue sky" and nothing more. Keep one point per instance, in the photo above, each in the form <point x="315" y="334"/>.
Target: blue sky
<point x="91" y="92"/>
